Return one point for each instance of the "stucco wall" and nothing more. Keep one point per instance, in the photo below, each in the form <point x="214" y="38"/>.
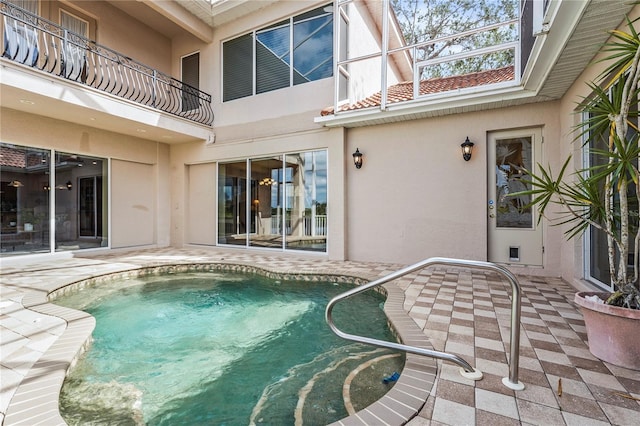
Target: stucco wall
<point x="133" y="207"/>
<point x="113" y="28"/>
<point x="190" y="209"/>
<point x="140" y="180"/>
<point x="240" y="118"/>
<point x="415" y="197"/>
<point x="200" y="204"/>
<point x="572" y="252"/>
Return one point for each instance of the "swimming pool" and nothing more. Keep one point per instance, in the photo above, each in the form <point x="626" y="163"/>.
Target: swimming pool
<point x="220" y="348"/>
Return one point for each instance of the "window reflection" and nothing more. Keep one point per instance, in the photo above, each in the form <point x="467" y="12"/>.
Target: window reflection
<point x="274" y="199"/>
<point x="513" y="157"/>
<point x="24" y="200"/>
<point x="306" y="207"/>
<point x="232" y="199"/>
<point x="80" y="205"/>
<point x="293" y="51"/>
<point x="27" y="187"/>
<point x="313" y="47"/>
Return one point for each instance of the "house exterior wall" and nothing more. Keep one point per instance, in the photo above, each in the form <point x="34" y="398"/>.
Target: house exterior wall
<point x="139" y="175"/>
<point x="193" y="177"/>
<point x="279" y="111"/>
<point x="415" y="197"/>
<point x="573" y="252"/>
<point x="119" y="31"/>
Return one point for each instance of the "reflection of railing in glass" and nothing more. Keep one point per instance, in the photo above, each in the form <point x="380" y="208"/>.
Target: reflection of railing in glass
<point x="312" y="228"/>
<point x="317" y="227"/>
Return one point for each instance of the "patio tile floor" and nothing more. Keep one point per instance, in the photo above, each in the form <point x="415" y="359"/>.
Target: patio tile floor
<point x="461" y="311"/>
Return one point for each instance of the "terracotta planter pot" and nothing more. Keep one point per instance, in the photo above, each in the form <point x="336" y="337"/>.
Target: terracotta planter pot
<point x="613" y="332"/>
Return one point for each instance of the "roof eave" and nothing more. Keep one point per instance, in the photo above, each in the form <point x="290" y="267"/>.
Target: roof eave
<point x="562" y="20"/>
<point x="446" y="103"/>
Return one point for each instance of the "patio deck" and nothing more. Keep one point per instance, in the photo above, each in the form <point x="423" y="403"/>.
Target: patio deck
<point x="458" y="310"/>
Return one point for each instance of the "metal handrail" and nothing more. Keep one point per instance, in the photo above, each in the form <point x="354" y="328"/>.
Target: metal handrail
<point x="511" y="381"/>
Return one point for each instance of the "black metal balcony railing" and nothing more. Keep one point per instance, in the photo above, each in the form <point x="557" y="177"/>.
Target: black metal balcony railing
<point x="41" y="44"/>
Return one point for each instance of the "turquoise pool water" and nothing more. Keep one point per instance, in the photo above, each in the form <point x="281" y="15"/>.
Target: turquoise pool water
<point x="219" y="349"/>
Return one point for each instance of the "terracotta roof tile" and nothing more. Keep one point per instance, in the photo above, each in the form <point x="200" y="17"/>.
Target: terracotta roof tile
<point x="404" y="91"/>
<point x="12" y="157"/>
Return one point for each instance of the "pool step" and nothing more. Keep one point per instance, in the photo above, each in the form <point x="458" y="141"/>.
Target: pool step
<point x="318" y="385"/>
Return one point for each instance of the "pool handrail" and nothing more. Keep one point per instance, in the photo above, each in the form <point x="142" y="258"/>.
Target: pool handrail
<point x="466" y="369"/>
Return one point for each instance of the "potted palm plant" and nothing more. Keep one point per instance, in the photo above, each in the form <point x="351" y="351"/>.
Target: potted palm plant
<point x="605" y="196"/>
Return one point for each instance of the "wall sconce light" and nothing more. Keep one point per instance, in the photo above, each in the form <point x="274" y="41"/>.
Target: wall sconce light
<point x="467" y="149"/>
<point x="46" y="187"/>
<point x="69" y="185"/>
<point x="357" y="158"/>
<point x="15" y="183"/>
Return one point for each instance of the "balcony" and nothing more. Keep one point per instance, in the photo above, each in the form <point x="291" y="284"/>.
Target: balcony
<point x="43" y="45"/>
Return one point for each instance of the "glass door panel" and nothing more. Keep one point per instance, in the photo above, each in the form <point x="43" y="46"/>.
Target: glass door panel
<point x="232" y="202"/>
<point x="24" y="200"/>
<point x="266" y="202"/>
<point x="306" y="201"/>
<point x="512" y="157"/>
<point x="80" y="211"/>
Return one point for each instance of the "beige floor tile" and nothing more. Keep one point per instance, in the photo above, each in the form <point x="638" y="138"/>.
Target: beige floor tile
<point x="537" y="414"/>
<point x="604" y="380"/>
<point x="452" y="413"/>
<point x="496" y="403"/>
<point x="538" y="394"/>
<point x="572" y="419"/>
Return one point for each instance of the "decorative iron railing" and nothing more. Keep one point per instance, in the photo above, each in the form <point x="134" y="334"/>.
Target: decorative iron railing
<point x="43" y="45"/>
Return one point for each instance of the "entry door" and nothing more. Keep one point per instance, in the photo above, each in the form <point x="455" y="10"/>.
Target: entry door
<point x="514" y="236"/>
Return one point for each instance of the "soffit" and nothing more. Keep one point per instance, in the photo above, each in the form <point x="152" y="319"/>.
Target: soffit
<point x="600" y="17"/>
<point x="219" y="12"/>
<point x="25" y="89"/>
<point x="151" y="18"/>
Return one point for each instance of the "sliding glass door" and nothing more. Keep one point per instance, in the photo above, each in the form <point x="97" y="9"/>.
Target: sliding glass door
<point x="232" y="201"/>
<point x="266" y="204"/>
<point x="306" y="201"/>
<point x="277" y="202"/>
<point x="44" y="194"/>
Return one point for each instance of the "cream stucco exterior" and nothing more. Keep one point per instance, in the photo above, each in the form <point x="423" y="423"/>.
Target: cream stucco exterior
<point x="415" y="197"/>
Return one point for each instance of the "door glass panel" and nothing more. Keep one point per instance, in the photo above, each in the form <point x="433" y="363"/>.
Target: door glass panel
<point x="24" y="200"/>
<point x="232" y="200"/>
<point x="513" y="156"/>
<point x="306" y="201"/>
<point x="80" y="207"/>
<point x="266" y="202"/>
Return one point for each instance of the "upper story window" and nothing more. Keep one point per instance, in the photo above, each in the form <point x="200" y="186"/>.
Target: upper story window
<point x="294" y="51"/>
<point x="20" y="40"/>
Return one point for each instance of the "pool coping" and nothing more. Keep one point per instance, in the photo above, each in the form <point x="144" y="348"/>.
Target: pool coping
<point x="35" y="399"/>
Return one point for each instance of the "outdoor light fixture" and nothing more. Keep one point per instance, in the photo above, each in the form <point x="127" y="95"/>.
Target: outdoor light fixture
<point x="467" y="148"/>
<point x="69" y="185"/>
<point x="15" y="184"/>
<point x="357" y="158"/>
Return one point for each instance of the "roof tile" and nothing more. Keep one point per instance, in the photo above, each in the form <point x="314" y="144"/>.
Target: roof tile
<point x="402" y="92"/>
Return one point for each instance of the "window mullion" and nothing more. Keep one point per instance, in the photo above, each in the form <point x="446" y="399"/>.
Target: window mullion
<point x="255" y="73"/>
<point x="291" y="59"/>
